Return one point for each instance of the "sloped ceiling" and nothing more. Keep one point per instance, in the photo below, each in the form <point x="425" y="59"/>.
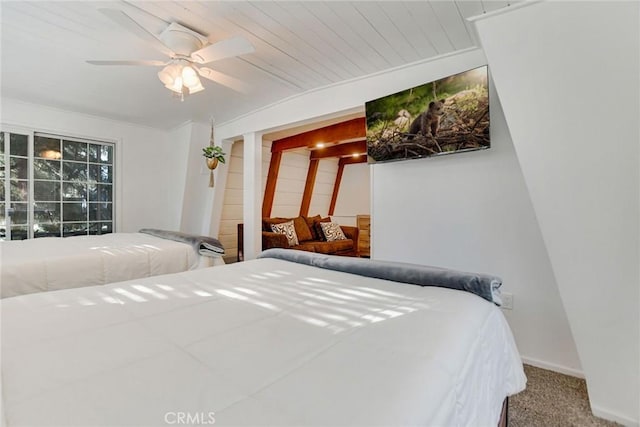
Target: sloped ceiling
<point x="300" y="46"/>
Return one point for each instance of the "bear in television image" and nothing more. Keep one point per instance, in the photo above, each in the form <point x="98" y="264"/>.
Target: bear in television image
<point x="445" y="116"/>
<point x="429" y="120"/>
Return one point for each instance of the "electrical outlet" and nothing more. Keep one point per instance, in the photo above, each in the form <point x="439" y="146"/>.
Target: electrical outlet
<point x="507" y="301"/>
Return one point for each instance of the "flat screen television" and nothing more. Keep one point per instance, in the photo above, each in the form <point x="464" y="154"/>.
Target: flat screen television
<point x="449" y="115"/>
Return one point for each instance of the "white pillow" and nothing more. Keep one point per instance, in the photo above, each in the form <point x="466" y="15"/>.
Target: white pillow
<point x="332" y="231"/>
<point x="289" y="230"/>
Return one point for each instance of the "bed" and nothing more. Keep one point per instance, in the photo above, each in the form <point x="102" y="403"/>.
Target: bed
<point x="53" y="263"/>
<point x="263" y="342"/>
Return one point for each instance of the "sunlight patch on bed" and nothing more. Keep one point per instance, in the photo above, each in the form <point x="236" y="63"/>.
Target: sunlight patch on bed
<point x="378" y="291"/>
<point x="247" y="291"/>
<point x="202" y="293"/>
<point x="276" y="275"/>
<point x="311" y="320"/>
<point x="130" y="295"/>
<point x="284" y="273"/>
<point x="373" y="319"/>
<point x="111" y="300"/>
<point x="337" y="295"/>
<point x="364" y="294"/>
<point x="231" y="294"/>
<point x="353" y="313"/>
<point x="146" y="290"/>
<point x="244" y="298"/>
<point x="85" y="301"/>
<point x="329" y="282"/>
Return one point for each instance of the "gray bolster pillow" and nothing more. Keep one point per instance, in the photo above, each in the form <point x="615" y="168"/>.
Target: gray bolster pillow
<point x="485" y="286"/>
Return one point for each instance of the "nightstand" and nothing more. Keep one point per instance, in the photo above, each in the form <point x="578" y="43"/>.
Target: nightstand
<point x="363" y="222"/>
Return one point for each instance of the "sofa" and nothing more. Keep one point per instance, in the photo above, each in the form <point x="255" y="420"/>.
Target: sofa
<point x="310" y="236"/>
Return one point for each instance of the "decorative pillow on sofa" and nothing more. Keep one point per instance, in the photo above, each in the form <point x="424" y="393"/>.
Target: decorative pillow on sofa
<point x="268" y="222"/>
<point x="332" y="231"/>
<point x="288" y="229"/>
<point x="318" y="228"/>
<point x="302" y="229"/>
<point x="311" y="224"/>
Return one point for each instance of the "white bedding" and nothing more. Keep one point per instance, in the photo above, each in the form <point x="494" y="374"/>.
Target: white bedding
<point x="263" y="342"/>
<point x="53" y="263"/>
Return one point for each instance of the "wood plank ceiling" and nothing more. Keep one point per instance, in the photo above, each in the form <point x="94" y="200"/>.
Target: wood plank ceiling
<point x="300" y="46"/>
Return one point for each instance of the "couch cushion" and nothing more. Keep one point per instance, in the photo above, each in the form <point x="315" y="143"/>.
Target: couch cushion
<point x="334" y="247"/>
<point x="310" y="220"/>
<point x="288" y="229"/>
<point x="302" y="229"/>
<point x="307" y="246"/>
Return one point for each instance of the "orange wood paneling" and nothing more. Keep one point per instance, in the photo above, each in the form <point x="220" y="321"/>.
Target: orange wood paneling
<point x="350" y="129"/>
<point x="336" y="189"/>
<point x="308" y="187"/>
<point x="270" y="189"/>
<point x="340" y="150"/>
<point x="352" y="160"/>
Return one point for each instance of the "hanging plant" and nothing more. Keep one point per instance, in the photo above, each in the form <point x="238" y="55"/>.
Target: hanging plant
<point x="213" y="154"/>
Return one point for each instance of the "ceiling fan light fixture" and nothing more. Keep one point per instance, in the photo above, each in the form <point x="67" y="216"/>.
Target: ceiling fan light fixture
<point x="195" y="89"/>
<point x="185" y="48"/>
<point x="178" y="76"/>
<point x="169" y="74"/>
<point x="190" y="77"/>
<point x="173" y="89"/>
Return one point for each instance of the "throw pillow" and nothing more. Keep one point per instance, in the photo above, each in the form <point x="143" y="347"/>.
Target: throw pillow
<point x="318" y="228"/>
<point x="310" y="222"/>
<point x="332" y="231"/>
<point x="288" y="230"/>
<point x="267" y="222"/>
<point x="302" y="229"/>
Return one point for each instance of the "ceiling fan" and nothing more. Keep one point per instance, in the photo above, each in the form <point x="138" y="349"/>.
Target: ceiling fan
<point x="185" y="48"/>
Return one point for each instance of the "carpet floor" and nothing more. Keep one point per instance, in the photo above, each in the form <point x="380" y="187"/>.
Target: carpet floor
<point x="552" y="399"/>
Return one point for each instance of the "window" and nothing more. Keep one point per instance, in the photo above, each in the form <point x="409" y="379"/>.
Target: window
<point x="55" y="186"/>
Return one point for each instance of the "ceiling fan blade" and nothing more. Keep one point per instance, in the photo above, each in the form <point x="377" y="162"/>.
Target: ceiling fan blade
<point x="127" y="22"/>
<point x="223" y="49"/>
<point x="152" y="63"/>
<point x="223" y="79"/>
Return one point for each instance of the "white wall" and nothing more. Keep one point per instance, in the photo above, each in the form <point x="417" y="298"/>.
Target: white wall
<point x="197" y="195"/>
<point x="146" y="193"/>
<point x="232" y="210"/>
<point x="568" y="78"/>
<point x="471" y="211"/>
<point x="482" y="237"/>
<point x="354" y="197"/>
<point x="292" y="176"/>
<point x="323" y="187"/>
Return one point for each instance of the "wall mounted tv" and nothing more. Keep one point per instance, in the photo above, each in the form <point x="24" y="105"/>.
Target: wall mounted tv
<point x="445" y="116"/>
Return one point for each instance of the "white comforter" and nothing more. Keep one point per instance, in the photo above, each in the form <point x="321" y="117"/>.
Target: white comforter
<point x="264" y="342"/>
<point x="53" y="263"/>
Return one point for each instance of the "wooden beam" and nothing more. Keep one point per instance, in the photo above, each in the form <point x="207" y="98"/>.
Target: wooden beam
<point x="351" y="129"/>
<point x="339" y="150"/>
<point x="308" y="187"/>
<point x="352" y="160"/>
<point x="336" y="188"/>
<point x="270" y="189"/>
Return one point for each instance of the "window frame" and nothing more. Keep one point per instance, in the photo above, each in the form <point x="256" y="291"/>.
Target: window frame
<point x="31" y="133"/>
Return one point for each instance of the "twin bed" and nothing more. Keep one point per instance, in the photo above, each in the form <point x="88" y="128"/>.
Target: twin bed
<point x="54" y="263"/>
<point x="287" y="339"/>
